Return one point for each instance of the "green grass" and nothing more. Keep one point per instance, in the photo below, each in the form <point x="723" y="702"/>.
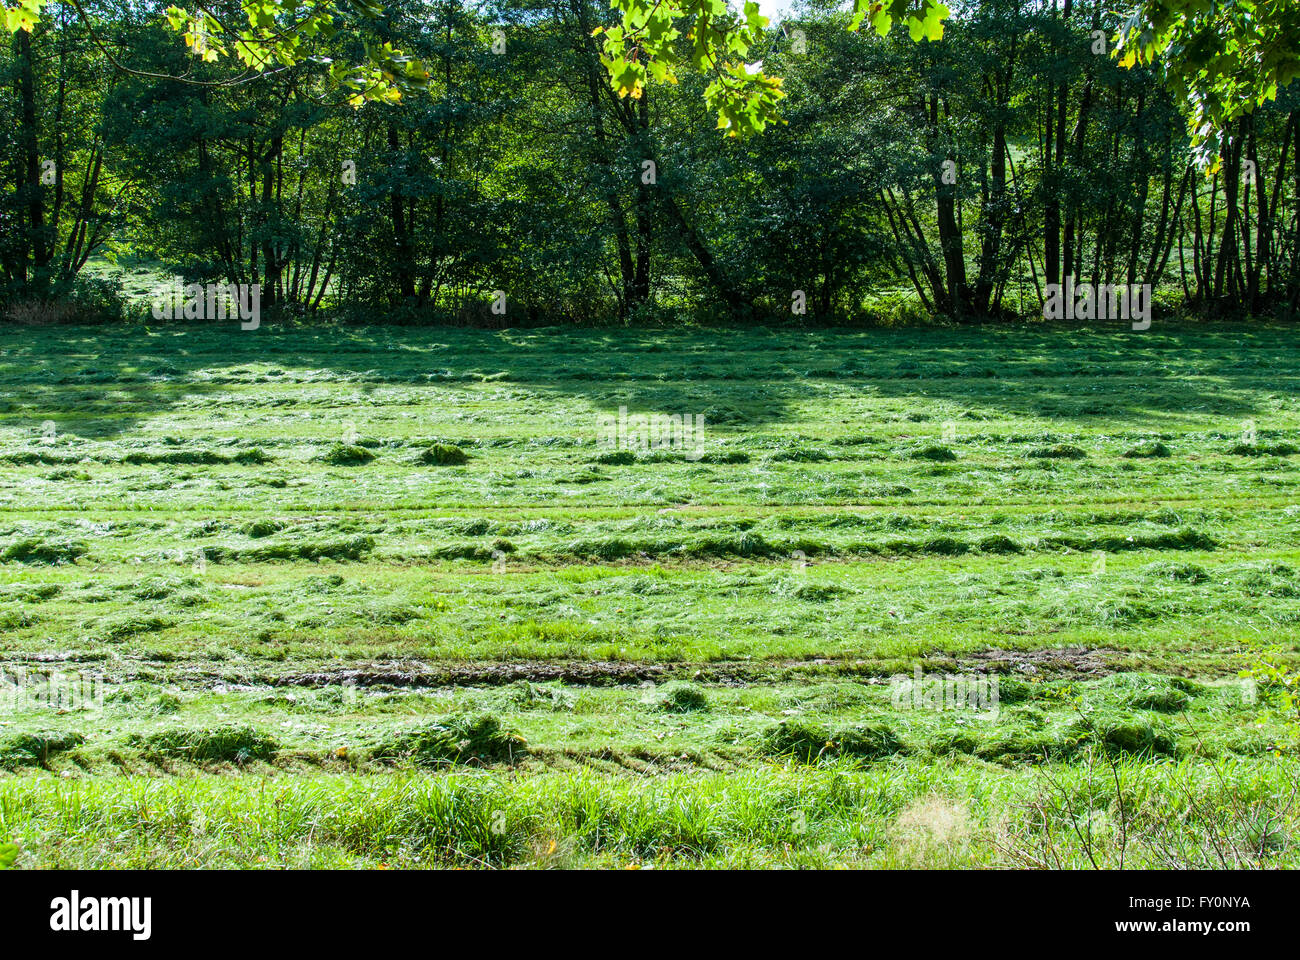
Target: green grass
<point x="393" y="578"/>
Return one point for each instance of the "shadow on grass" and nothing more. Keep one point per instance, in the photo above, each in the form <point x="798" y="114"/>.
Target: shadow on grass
<point x="100" y="382"/>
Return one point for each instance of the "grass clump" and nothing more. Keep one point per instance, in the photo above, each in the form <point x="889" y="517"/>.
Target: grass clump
<point x="796" y="588"/>
<point x="232" y="743"/>
<point x="1177" y="572"/>
<point x="123" y="626"/>
<point x="810" y="742"/>
<point x="43" y="550"/>
<point x="1009" y="744"/>
<point x="1132" y="734"/>
<point x="1145" y="691"/>
<point x="346" y="548"/>
<point x="1152" y="449"/>
<point x="617" y="458"/>
<point x="442" y="455"/>
<point x="944" y="546"/>
<point x="144" y="699"/>
<point x="725" y="457"/>
<point x="1269" y="580"/>
<point x="798" y="453"/>
<point x="347" y="455"/>
<point x="999" y="543"/>
<point x="1265" y="449"/>
<point x="262" y="527"/>
<point x="936" y="452"/>
<point x="35" y="749"/>
<point x="550" y="696"/>
<point x="681" y="696"/>
<point x="1058" y="451"/>
<point x="250" y="457"/>
<point x="463" y="738"/>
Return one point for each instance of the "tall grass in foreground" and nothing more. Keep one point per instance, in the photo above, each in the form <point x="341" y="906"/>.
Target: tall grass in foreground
<point x="897" y="814"/>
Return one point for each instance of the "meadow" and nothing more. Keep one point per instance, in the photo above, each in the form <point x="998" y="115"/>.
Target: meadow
<point x="379" y="596"/>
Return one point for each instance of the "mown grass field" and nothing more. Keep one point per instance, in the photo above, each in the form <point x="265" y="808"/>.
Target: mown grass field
<point x="326" y="643"/>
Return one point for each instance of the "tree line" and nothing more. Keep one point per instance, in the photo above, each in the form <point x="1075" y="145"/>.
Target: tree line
<point x="961" y="178"/>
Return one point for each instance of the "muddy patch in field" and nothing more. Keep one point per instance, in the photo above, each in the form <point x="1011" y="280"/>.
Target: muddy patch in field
<point x="1056" y="662"/>
<point x="414" y="674"/>
<point x="580" y="673"/>
<point x="593" y="673"/>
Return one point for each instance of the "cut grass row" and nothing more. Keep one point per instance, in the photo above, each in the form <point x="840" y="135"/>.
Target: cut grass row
<point x="679" y="724"/>
<point x="1162" y="610"/>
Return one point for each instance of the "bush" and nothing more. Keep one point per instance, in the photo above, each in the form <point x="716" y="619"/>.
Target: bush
<point x="87" y="300"/>
<point x="41" y="313"/>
